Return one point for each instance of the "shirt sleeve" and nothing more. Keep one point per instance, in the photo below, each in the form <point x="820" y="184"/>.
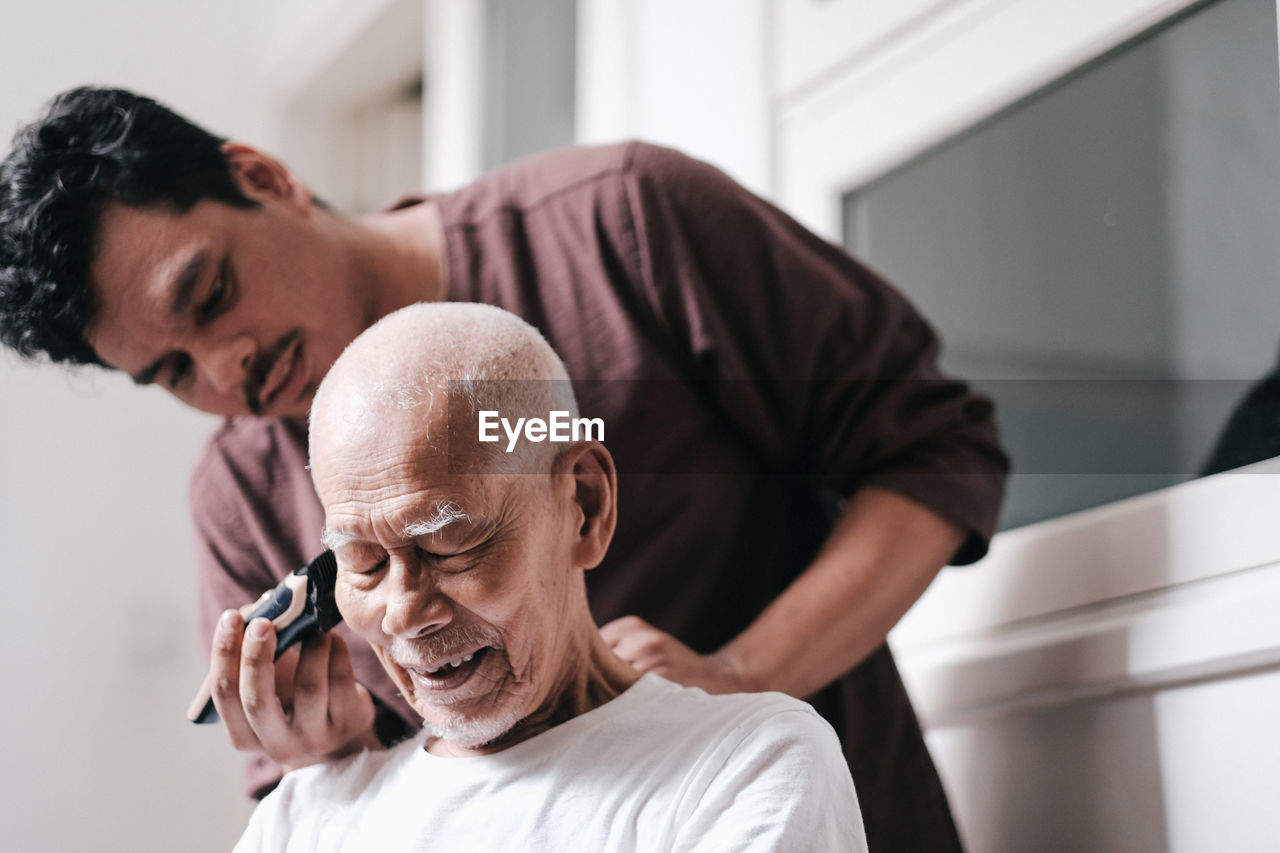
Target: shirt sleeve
<point x="823" y="367"/>
<point x="784" y="787"/>
<point x="230" y="573"/>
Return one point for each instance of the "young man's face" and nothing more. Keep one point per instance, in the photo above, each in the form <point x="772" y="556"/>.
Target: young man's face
<point x="235" y="311"/>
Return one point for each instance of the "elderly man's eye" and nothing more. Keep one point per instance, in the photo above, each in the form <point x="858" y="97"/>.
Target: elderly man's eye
<point x="453" y="564"/>
<point x="361" y="564"/>
<point x="371" y="568"/>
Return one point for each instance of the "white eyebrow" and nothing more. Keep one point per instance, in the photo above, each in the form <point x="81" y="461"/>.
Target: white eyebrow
<point x="446" y="513"/>
<point x="334" y="539"/>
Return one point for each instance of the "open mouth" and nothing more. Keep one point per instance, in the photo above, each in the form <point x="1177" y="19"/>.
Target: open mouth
<point x="452" y="673"/>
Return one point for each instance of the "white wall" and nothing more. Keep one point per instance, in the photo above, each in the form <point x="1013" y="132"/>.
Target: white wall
<point x="98" y="645"/>
<point x="692" y="74"/>
<point x="329" y="80"/>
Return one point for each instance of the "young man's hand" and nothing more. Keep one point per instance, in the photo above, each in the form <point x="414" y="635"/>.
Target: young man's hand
<point x="648" y="649"/>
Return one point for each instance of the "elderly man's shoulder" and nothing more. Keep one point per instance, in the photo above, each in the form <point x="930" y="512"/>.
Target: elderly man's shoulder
<point x="763" y="741"/>
<point x="725" y="768"/>
<point x="686" y="713"/>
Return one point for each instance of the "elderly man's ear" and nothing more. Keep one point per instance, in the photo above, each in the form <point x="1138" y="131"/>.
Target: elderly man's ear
<point x="589" y="465"/>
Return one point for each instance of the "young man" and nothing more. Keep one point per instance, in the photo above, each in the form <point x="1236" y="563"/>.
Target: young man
<point x="755" y="382"/>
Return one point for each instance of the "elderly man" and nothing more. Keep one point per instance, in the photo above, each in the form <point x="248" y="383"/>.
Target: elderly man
<point x="463" y="566"/>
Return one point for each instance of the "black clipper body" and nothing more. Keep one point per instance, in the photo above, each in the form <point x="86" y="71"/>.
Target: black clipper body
<point x="300" y="606"/>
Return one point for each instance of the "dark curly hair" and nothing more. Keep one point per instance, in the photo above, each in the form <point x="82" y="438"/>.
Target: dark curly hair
<point x="91" y="146"/>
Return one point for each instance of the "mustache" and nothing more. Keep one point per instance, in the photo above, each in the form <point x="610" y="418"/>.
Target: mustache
<point x="261" y="369"/>
<point x="447" y="643"/>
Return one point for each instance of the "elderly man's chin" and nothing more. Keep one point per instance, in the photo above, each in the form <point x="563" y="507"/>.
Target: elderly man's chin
<point x="469" y="732"/>
<point x="471" y="721"/>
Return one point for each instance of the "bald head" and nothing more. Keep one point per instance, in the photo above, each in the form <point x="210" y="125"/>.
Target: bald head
<point x="439" y="364"/>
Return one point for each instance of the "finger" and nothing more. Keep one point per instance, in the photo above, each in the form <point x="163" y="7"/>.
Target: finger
<point x="224" y="669"/>
<point x="643" y="658"/>
<point x="616" y="631"/>
<point x="640" y="642"/>
<point x="646" y="660"/>
<point x="311" y="692"/>
<point x="350" y="705"/>
<point x="286" y="665"/>
<point x="262" y="706"/>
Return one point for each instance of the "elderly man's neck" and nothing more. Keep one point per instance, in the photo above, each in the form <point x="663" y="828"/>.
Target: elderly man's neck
<point x="597" y="677"/>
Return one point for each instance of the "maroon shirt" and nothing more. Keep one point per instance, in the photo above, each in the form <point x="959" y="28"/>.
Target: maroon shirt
<point x="749" y="375"/>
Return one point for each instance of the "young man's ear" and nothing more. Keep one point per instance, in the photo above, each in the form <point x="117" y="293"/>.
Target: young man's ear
<point x="594" y="479"/>
<point x="261" y="176"/>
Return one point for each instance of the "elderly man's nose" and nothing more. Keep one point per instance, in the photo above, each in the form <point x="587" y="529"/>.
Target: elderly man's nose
<point x="229" y="363"/>
<point x="415" y="609"/>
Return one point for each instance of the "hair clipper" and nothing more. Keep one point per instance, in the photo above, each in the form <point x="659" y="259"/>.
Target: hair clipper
<point x="300" y="606"/>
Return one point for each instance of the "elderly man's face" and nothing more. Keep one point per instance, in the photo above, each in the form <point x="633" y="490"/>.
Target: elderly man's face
<point x="461" y="583"/>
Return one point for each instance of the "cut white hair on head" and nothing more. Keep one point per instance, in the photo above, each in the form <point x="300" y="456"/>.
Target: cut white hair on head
<point x="466" y="353"/>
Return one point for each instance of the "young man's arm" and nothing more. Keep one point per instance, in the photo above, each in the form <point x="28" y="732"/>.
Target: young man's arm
<point x="882" y="554"/>
<point x="830" y="375"/>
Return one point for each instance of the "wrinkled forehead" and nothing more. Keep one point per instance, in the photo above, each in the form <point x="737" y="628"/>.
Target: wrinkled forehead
<point x="361" y="415"/>
<point x="391" y="492"/>
<point x="384" y="447"/>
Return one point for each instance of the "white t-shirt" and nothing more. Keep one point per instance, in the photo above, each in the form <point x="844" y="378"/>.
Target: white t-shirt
<point x="661" y="767"/>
